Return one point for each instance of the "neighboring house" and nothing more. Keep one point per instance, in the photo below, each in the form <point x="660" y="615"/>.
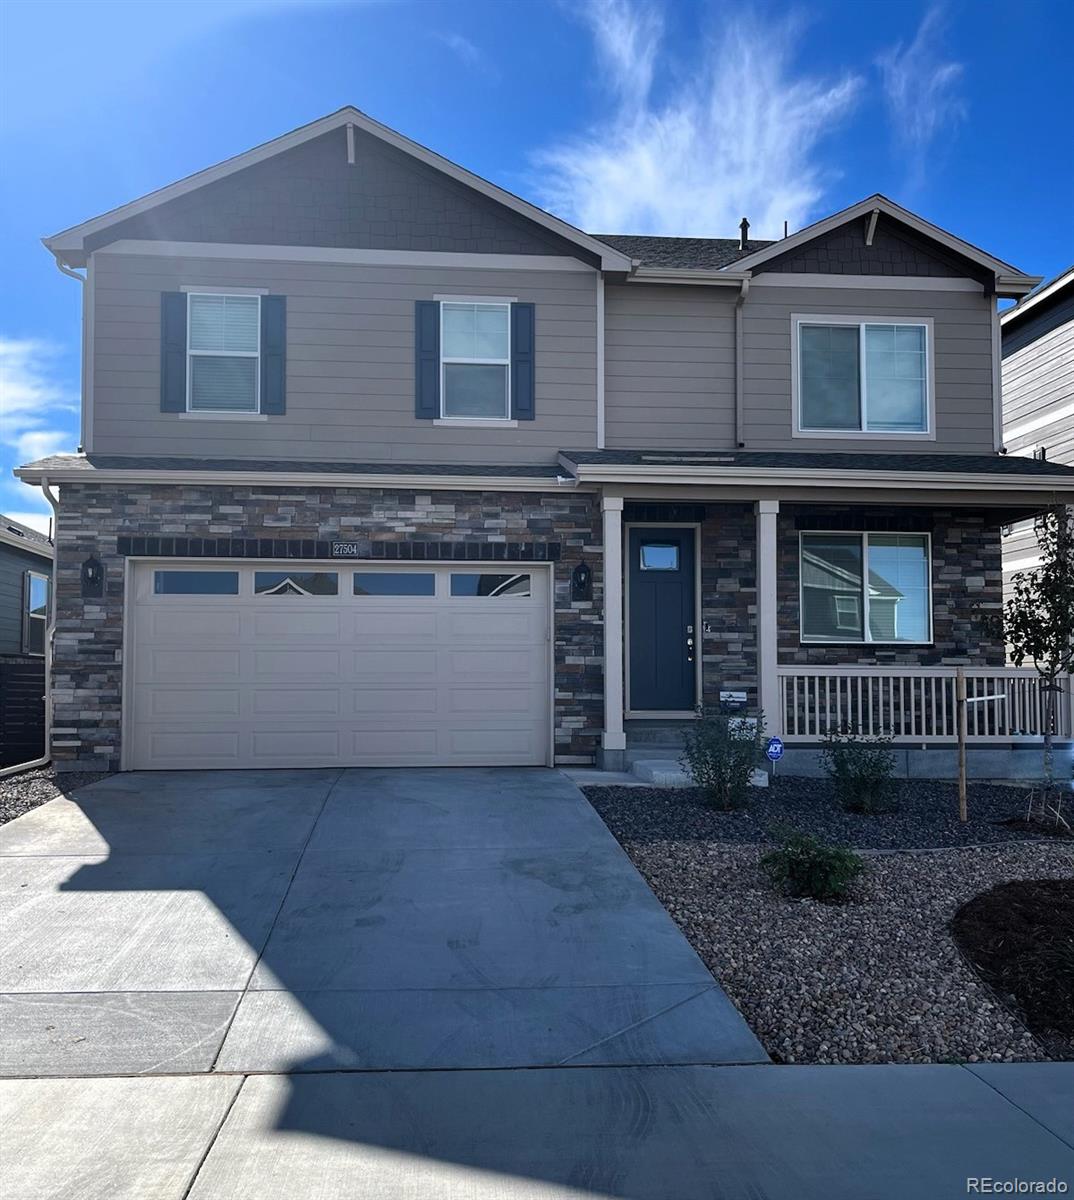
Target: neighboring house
<point x="1038" y="393"/>
<point x="25" y="580"/>
<point x="385" y="465"/>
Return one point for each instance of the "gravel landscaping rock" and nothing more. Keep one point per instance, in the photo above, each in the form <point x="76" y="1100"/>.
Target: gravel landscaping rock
<point x="20" y="793"/>
<point x="926" y="815"/>
<point x="875" y="980"/>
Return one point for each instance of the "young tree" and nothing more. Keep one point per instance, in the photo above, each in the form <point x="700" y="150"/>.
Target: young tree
<point x="1038" y="615"/>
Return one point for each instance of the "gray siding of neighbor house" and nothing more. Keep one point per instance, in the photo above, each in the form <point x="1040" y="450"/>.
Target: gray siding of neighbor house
<point x="1038" y="381"/>
<point x="670" y="366"/>
<point x="962" y="348"/>
<point x="350" y="362"/>
<point x="14" y="563"/>
<point x="311" y="196"/>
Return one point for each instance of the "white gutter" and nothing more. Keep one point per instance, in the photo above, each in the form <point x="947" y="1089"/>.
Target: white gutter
<point x="50" y="630"/>
<point x="685" y="275"/>
<point x="600" y="361"/>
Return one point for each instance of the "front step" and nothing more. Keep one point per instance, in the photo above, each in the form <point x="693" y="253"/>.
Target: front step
<point x="669" y="773"/>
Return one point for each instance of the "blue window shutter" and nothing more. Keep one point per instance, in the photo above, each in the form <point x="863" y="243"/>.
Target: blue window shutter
<point x="427" y="359"/>
<point x="523" y="405"/>
<point x="173" y="352"/>
<point x="273" y="355"/>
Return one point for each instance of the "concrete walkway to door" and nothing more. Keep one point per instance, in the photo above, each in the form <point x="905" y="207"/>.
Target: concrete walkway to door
<point x="229" y="986"/>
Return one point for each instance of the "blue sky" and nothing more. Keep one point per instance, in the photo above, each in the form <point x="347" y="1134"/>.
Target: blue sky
<point x="620" y="115"/>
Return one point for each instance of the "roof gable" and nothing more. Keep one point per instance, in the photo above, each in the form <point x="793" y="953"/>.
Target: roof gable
<point x="314" y="195"/>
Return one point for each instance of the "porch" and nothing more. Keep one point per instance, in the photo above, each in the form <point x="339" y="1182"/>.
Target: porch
<point x="756" y="642"/>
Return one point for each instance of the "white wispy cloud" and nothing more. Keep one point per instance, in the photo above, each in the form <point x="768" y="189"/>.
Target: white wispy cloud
<point x="462" y="47"/>
<point x="37" y="412"/>
<point x="923" y="92"/>
<point x="738" y="136"/>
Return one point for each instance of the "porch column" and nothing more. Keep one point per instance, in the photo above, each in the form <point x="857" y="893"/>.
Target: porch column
<point x="767" y="627"/>
<point x="613" y="739"/>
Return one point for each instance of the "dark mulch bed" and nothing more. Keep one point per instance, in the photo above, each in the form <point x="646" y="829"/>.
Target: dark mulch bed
<point x="925" y="815"/>
<point x="1020" y="938"/>
<point x="22" y="792"/>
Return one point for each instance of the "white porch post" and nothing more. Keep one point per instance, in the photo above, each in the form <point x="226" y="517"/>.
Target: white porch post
<point x="767" y="627"/>
<point x="613" y="740"/>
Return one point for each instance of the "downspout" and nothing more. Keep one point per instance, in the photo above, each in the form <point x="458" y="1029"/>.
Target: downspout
<point x="740" y="300"/>
<point x="600" y="362"/>
<point x="50" y="630"/>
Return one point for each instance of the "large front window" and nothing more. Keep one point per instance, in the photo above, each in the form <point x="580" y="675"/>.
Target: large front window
<point x="475" y="360"/>
<point x="862" y="377"/>
<point x="223" y="347"/>
<point x="865" y="587"/>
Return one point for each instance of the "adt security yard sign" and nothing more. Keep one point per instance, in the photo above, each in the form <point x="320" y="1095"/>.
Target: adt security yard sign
<point x="775" y="749"/>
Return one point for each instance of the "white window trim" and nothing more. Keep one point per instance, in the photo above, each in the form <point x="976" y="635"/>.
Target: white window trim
<point x="27" y="616"/>
<point x="864" y="536"/>
<point x="927" y="323"/>
<point x="506" y="419"/>
<point x="254" y="354"/>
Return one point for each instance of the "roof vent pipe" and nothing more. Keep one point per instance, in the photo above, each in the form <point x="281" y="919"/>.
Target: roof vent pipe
<point x="744" y="233"/>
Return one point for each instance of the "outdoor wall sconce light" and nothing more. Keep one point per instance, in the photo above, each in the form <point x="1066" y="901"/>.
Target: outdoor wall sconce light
<point x="92" y="578"/>
<point x="581" y="582"/>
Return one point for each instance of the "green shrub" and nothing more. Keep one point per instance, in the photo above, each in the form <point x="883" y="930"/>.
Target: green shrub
<point x="806" y="866"/>
<point x="862" y="770"/>
<point x="721" y="752"/>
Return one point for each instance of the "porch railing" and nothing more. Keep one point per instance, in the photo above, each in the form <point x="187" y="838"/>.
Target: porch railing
<point x="918" y="705"/>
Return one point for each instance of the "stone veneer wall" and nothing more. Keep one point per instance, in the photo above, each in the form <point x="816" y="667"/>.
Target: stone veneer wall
<point x="967" y="580"/>
<point x="729" y="602"/>
<point x="88" y="649"/>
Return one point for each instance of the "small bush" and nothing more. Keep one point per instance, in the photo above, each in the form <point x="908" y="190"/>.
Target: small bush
<point x="862" y="770"/>
<point x="721" y="752"/>
<point x="806" y="866"/>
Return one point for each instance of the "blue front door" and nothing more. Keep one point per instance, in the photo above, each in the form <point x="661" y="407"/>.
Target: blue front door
<point x="662" y="622"/>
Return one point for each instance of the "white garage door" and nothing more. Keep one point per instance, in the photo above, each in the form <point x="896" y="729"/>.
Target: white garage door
<point x="284" y="664"/>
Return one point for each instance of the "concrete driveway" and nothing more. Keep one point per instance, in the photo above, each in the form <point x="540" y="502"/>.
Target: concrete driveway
<point x="307" y="920"/>
<point x="335" y="984"/>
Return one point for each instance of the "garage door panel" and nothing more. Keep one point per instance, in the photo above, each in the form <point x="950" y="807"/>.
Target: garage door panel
<point x="196" y="702"/>
<point x="164" y="666"/>
<point x="289" y="666"/>
<point x="372" y="680"/>
<point x="393" y="700"/>
<point x="316" y="626"/>
<point x="295" y="702"/>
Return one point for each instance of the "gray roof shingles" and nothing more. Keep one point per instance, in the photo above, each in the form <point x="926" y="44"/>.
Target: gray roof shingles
<point x="18" y="529"/>
<point x="685" y="253"/>
<point x="805" y="460"/>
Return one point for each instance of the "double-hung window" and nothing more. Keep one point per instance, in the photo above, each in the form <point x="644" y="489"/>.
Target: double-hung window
<point x="475" y="360"/>
<point x="35" y="613"/>
<point x="865" y="587"/>
<point x="223" y="353"/>
<point x="862" y="376"/>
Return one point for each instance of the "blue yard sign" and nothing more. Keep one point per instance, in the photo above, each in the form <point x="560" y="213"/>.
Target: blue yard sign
<point x="775" y="749"/>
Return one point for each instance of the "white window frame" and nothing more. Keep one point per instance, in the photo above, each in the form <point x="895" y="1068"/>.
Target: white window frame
<point x="27" y="616"/>
<point x="797" y="428"/>
<point x="813" y="639"/>
<point x="254" y="354"/>
<point x="476" y="422"/>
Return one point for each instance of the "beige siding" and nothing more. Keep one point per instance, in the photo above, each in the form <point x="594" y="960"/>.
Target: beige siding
<point x="670" y="366"/>
<point x="963" y="365"/>
<point x="350" y="363"/>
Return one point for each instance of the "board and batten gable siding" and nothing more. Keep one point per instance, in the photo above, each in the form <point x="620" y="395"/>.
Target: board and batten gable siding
<point x="350" y="362"/>
<point x="14" y="563"/>
<point x="670" y="366"/>
<point x="962" y="349"/>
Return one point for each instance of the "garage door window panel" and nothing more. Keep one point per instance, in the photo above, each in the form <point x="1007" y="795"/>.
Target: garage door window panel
<point x="296" y="583"/>
<point x="195" y="583"/>
<point x="394" y="583"/>
<point x="487" y="584"/>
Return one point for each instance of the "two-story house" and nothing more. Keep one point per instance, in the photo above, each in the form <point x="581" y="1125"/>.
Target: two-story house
<point x="383" y="464"/>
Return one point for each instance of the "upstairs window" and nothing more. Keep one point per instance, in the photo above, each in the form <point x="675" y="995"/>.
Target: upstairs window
<point x="475" y="360"/>
<point x="35" y="613"/>
<point x="223" y="352"/>
<point x="855" y="376"/>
